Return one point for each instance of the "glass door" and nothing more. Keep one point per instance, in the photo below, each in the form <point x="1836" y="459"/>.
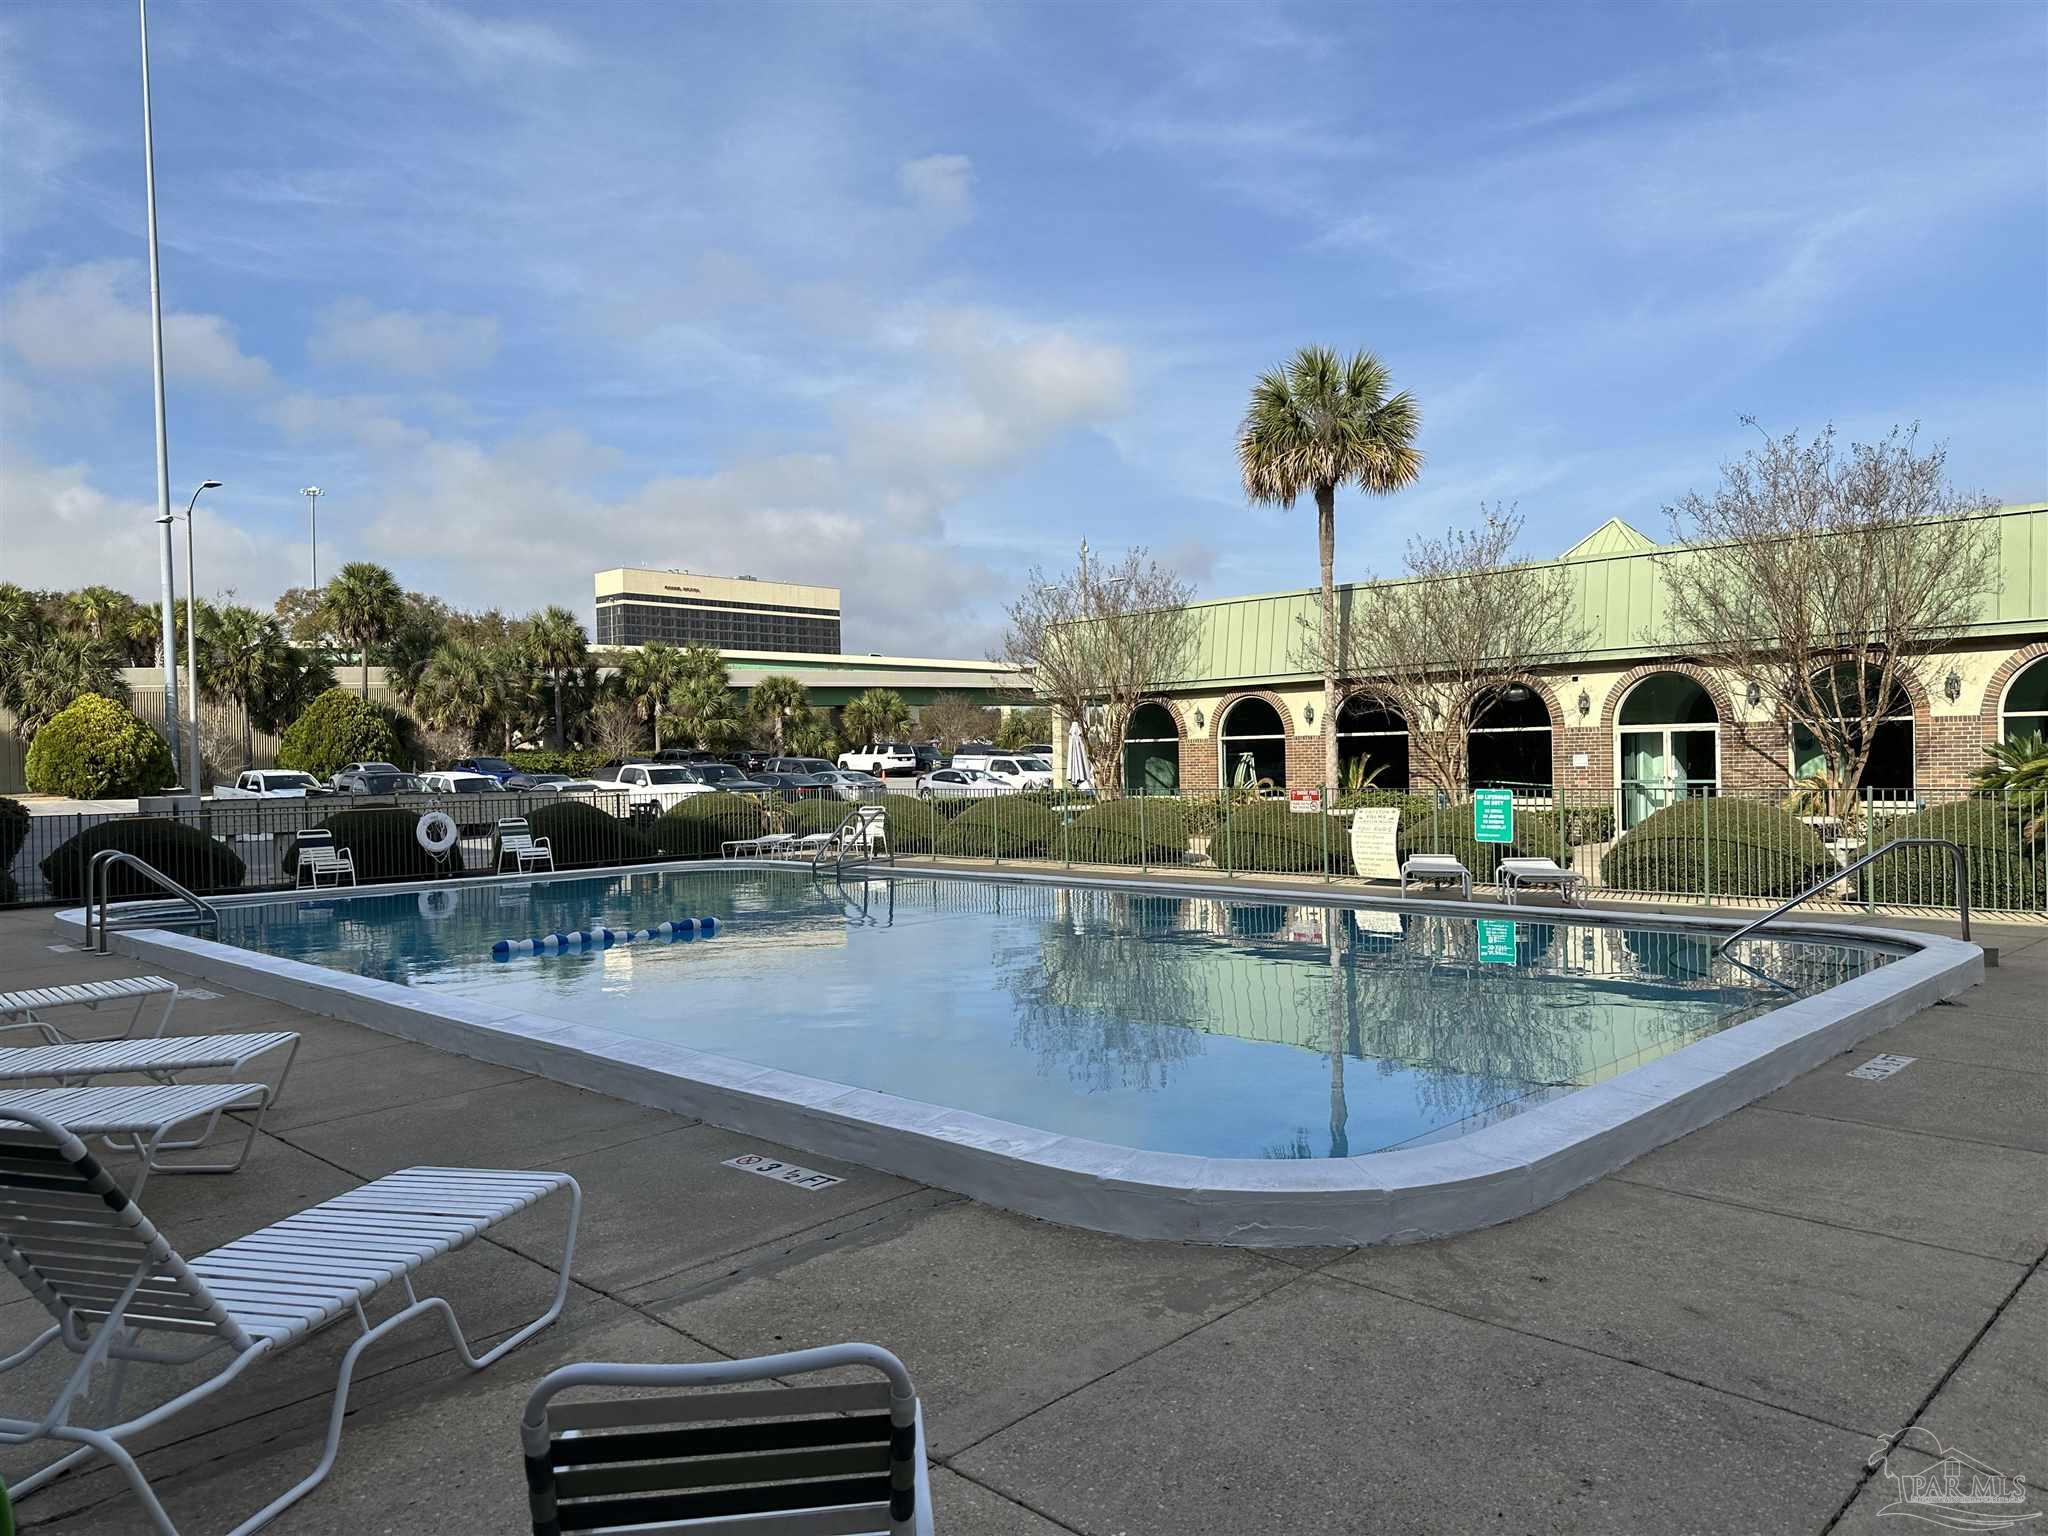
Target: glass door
<point x="1664" y="765"/>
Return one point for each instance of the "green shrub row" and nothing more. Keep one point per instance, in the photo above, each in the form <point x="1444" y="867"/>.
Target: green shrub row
<point x="1716" y="846"/>
<point x="95" y="749"/>
<point x="382" y="840"/>
<point x="2006" y="869"/>
<point x="199" y="863"/>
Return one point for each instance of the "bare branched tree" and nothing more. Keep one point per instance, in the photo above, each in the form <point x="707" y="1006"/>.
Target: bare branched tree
<point x="1100" y="640"/>
<point x="615" y="727"/>
<point x="1437" y="645"/>
<point x="1824" y="578"/>
<point x="952" y="718"/>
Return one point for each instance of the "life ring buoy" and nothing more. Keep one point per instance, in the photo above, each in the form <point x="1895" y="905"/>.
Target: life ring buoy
<point x="436" y="904"/>
<point x="436" y="832"/>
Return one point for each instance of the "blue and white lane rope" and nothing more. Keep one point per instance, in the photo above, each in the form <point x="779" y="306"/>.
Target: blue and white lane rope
<point x="605" y="938"/>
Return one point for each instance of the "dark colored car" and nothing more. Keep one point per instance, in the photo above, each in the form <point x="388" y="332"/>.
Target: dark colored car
<point x="796" y="786"/>
<point x="534" y="780"/>
<point x="754" y="759"/>
<point x="929" y="757"/>
<point x="726" y="778"/>
<point x="490" y="767"/>
<point x="678" y="755"/>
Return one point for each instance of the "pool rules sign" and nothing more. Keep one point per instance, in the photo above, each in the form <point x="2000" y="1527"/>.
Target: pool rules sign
<point x="1493" y="816"/>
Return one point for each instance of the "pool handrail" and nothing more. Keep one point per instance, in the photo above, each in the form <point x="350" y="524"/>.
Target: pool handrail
<point x="99" y="886"/>
<point x="1962" y="860"/>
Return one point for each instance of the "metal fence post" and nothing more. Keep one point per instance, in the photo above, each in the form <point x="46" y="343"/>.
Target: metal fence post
<point x="1144" y="848"/>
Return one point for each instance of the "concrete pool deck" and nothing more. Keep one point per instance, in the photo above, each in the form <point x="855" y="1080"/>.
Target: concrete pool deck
<point x="1712" y="1339"/>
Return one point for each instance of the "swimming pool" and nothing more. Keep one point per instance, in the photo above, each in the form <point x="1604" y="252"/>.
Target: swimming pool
<point x="1226" y="1064"/>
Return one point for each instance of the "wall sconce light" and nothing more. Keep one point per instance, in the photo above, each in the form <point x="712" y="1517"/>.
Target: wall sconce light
<point x="1953" y="687"/>
<point x="1585" y="703"/>
<point x="1198" y="720"/>
<point x="1308" y="713"/>
<point x="1755" y="696"/>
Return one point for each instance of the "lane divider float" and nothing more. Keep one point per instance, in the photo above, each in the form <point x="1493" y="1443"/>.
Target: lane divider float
<point x="605" y="938"/>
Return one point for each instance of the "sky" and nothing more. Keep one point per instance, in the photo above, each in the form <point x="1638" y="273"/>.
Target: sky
<point x="910" y="298"/>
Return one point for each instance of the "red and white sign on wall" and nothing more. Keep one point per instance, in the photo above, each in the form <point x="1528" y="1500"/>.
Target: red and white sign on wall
<point x="1307" y="801"/>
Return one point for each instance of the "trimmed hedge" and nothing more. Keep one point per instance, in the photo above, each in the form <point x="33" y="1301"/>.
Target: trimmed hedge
<point x="694" y="828"/>
<point x="1269" y="838"/>
<point x="1002" y="826"/>
<point x="1413" y="807"/>
<point x="14" y="821"/>
<point x="578" y="763"/>
<point x="339" y="728"/>
<point x="95" y="749"/>
<point x="2005" y="872"/>
<point x="1715" y="846"/>
<point x="1450" y="831"/>
<point x="815" y="815"/>
<point x="383" y="841"/>
<point x="912" y="826"/>
<point x="580" y="835"/>
<point x="1147" y="830"/>
<point x="196" y="861"/>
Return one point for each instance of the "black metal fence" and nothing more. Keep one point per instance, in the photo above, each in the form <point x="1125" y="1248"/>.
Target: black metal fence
<point x="1706" y="848"/>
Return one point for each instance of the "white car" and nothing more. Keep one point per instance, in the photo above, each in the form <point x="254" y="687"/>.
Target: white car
<point x="457" y="781"/>
<point x="656" y="784"/>
<point x="881" y="759"/>
<point x="1021" y="772"/>
<point x="271" y="784"/>
<point x="960" y="784"/>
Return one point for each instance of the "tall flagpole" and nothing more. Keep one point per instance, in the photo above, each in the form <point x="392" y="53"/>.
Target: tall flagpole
<point x="163" y="451"/>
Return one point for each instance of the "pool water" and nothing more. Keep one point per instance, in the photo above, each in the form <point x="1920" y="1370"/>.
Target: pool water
<point x="1170" y="1023"/>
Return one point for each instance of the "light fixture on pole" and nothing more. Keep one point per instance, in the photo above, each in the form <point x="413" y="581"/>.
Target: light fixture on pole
<point x="192" y="646"/>
<point x="312" y="495"/>
<point x="163" y="452"/>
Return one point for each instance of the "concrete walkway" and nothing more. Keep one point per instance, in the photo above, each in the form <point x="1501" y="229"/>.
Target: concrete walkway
<point x="1712" y="1340"/>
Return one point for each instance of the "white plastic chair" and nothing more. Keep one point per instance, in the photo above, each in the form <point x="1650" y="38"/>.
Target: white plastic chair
<point x="517" y="843"/>
<point x="120" y="1293"/>
<point x="318" y="857"/>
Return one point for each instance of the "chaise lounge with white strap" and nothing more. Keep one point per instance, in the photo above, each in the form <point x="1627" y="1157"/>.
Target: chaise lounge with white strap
<point x="118" y="1292"/>
<point x="30" y="1009"/>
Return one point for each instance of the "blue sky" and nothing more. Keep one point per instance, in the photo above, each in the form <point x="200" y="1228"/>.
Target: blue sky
<point x="907" y="298"/>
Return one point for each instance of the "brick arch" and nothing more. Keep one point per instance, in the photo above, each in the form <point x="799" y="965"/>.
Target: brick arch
<point x="1173" y="708"/>
<point x="1724" y="706"/>
<point x="2001" y="680"/>
<point x="1290" y="732"/>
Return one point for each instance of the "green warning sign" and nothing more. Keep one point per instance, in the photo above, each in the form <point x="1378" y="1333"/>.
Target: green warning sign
<point x="1493" y="816"/>
<point x="1496" y="941"/>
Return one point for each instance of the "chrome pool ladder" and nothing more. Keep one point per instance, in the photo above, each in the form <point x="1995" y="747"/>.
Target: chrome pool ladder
<point x="99" y="884"/>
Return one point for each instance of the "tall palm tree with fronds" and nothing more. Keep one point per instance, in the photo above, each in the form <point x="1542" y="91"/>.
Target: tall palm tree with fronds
<point x="409" y="647"/>
<point x="702" y="702"/>
<point x="363" y="603"/>
<point x="466" y="688"/>
<point x="776" y="703"/>
<point x="649" y="677"/>
<point x="242" y="661"/>
<point x="43" y="676"/>
<point x="1317" y="422"/>
<point x="556" y="643"/>
<point x="100" y="612"/>
<point x="22" y="621"/>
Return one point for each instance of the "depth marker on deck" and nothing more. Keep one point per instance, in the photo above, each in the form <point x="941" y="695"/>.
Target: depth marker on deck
<point x="785" y="1173"/>
<point x="1882" y="1067"/>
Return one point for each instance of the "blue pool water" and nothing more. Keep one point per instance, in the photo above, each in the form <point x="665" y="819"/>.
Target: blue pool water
<point x="1171" y="1023"/>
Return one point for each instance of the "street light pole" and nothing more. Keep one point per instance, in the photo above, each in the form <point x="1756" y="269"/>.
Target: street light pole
<point x="163" y="452"/>
<point x="192" y="644"/>
<point x="312" y="495"/>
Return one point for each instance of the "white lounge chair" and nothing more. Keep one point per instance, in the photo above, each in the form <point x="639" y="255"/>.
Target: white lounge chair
<point x="319" y="859"/>
<point x="753" y="847"/>
<point x="160" y="1058"/>
<point x="104" y="1273"/>
<point x="517" y="843"/>
<point x="1518" y="875"/>
<point x="1438" y="869"/>
<point x="836" y="1460"/>
<point x="139" y="1118"/>
<point x="31" y="1009"/>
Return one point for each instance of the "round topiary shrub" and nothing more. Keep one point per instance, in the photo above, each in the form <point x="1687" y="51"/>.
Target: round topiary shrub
<point x="336" y="729"/>
<point x="13" y="830"/>
<point x="196" y="861"/>
<point x="1268" y="837"/>
<point x="383" y="841"/>
<point x="697" y="827"/>
<point x="1717" y="847"/>
<point x="1152" y="829"/>
<point x="2006" y="872"/>
<point x="95" y="749"/>
<point x="1450" y="831"/>
<point x="581" y="835"/>
<point x="1001" y="827"/>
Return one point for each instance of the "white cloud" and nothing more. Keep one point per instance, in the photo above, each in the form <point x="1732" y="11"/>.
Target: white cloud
<point x="481" y="46"/>
<point x="418" y="344"/>
<point x="93" y="319"/>
<point x="939" y="185"/>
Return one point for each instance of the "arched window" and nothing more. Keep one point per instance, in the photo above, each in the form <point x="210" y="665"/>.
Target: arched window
<point x="1889" y="768"/>
<point x="1254" y="743"/>
<point x="1510" y="743"/>
<point x="1152" y="752"/>
<point x="1668" y="743"/>
<point x="1374" y="737"/>
<point x="2025" y="710"/>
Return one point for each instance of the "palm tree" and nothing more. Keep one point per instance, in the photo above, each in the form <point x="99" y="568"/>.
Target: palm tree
<point x="100" y="612"/>
<point x="241" y="661"/>
<point x="21" y="617"/>
<point x="2016" y="769"/>
<point x="410" y="646"/>
<point x="42" y="677"/>
<point x="877" y="715"/>
<point x="364" y="604"/>
<point x="703" y="701"/>
<point x="777" y="703"/>
<point x="556" y="642"/>
<point x="1315" y="423"/>
<point x="466" y="687"/>
<point x="649" y="678"/>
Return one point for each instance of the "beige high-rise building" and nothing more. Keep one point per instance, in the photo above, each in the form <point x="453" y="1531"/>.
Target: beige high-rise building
<point x="729" y="613"/>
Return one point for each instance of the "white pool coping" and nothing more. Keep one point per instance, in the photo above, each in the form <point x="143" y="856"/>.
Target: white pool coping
<point x="1490" y="1175"/>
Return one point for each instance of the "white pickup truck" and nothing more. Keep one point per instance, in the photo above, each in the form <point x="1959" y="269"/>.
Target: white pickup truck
<point x="881" y="759"/>
<point x="271" y="784"/>
<point x="660" y="784"/>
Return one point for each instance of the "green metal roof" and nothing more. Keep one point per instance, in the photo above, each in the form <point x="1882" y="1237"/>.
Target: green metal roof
<point x="1620" y="592"/>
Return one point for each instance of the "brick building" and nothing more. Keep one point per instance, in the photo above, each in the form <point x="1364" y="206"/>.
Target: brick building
<point x="1630" y="717"/>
